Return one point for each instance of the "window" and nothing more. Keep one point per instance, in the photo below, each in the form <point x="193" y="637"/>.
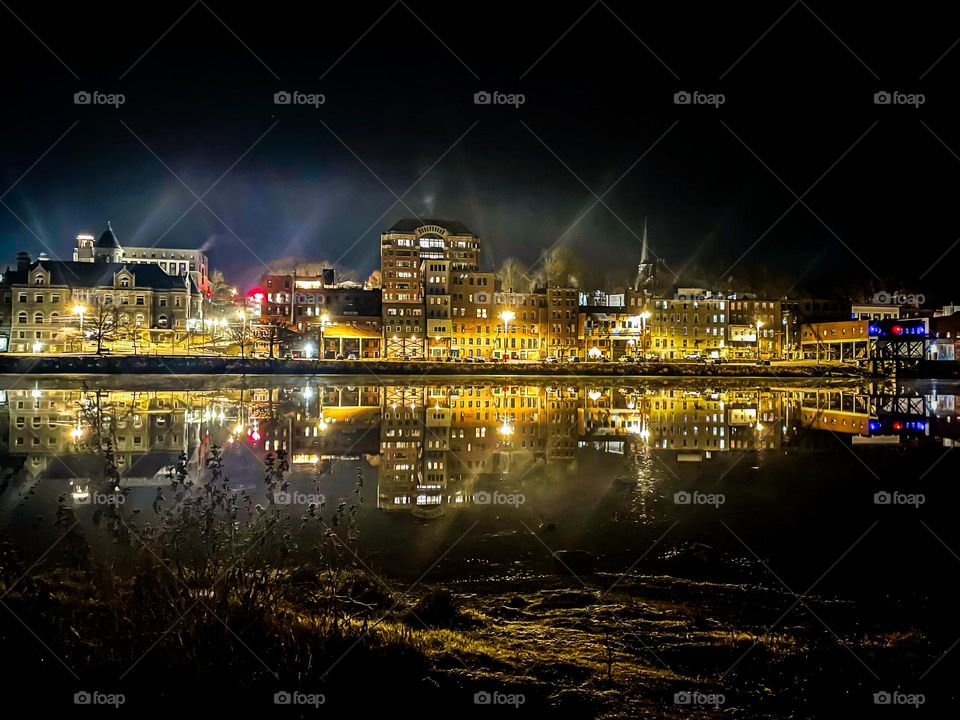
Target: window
<point x="162" y="321"/>
<point x="22" y="317"/>
<point x="38" y="279"/>
<point x="54" y="317"/>
<point x="22" y="297"/>
<point x="139" y="300"/>
<point x="124" y="282"/>
<point x="38" y="318"/>
<point x="55" y="298"/>
<point x="163" y="302"/>
<point x="38" y="298"/>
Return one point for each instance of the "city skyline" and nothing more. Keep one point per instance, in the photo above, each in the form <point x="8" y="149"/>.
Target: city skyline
<point x="799" y="174"/>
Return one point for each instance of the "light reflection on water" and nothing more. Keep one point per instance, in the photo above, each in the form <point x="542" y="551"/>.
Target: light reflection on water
<point x="503" y="470"/>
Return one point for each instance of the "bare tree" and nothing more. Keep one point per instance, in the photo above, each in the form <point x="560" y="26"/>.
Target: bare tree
<point x="104" y="325"/>
<point x="513" y="275"/>
<point x="239" y="333"/>
<point x="561" y="267"/>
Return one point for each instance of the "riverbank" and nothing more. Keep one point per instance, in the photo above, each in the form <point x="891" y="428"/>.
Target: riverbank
<point x="179" y="365"/>
<point x="609" y="646"/>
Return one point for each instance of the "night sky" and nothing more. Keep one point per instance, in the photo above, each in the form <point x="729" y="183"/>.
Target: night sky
<point x="399" y="82"/>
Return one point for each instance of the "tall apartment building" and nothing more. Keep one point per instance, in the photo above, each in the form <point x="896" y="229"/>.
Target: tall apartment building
<point x="179" y="262"/>
<point x="407" y="251"/>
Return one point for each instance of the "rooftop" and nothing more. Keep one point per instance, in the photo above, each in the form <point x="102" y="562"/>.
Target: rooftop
<point x="454" y="227"/>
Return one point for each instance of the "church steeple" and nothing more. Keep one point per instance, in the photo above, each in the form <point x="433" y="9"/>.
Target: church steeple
<point x="646" y="270"/>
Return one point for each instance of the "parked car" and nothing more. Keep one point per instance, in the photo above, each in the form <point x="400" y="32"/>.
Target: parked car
<point x="573" y="359"/>
<point x="480" y="359"/>
<point x="627" y="359"/>
<point x="720" y="360"/>
<point x="405" y="358"/>
<point x="550" y="359"/>
<point x="695" y="357"/>
<point x="651" y="357"/>
<point x="763" y="362"/>
<point x="352" y="356"/>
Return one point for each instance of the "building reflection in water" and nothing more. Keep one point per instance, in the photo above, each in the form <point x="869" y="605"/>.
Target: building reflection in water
<point x="441" y="446"/>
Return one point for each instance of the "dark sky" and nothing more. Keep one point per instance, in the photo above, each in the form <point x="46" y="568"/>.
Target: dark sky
<point x="599" y="82"/>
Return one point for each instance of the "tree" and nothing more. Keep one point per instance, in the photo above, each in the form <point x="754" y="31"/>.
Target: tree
<point x="222" y="291"/>
<point x="104" y="325"/>
<point x="513" y="275"/>
<point x="561" y="267"/>
<point x="239" y="333"/>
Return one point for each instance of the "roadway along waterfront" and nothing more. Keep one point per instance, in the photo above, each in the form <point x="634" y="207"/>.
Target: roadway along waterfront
<point x="181" y="365"/>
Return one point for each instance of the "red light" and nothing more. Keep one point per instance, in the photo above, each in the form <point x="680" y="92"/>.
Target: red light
<point x="897" y="330"/>
<point x="898" y="426"/>
<point x="256" y="294"/>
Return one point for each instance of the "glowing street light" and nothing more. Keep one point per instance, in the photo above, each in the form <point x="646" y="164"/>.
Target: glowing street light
<point x="506" y="429"/>
<point x="759" y="325"/>
<point x="37" y="347"/>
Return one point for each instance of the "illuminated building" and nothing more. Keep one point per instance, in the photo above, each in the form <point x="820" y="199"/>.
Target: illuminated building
<point x="56" y="306"/>
<point x="179" y="262"/>
<point x="344" y="317"/>
<point x="406" y="252"/>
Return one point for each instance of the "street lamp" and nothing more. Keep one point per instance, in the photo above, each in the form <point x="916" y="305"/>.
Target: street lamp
<point x="644" y="316"/>
<point x="507" y="316"/>
<point x="759" y="325"/>
<point x="79" y="310"/>
<point x="37" y="347"/>
<point x="242" y="316"/>
<point x="322" y="352"/>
